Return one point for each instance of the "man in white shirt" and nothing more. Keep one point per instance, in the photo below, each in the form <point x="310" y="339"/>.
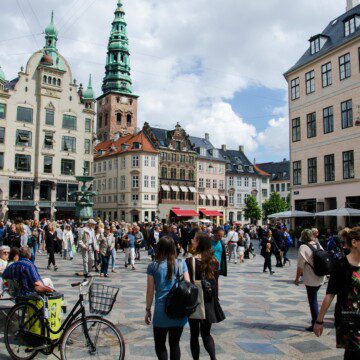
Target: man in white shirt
<point x="88" y="246"/>
<point x="231" y="241"/>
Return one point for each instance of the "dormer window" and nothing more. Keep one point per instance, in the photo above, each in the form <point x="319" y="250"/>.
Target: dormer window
<point x="215" y="153"/>
<point x="136" y="145"/>
<point x="351" y="25"/>
<point x="202" y="151"/>
<point x="240" y="168"/>
<point x="251" y="168"/>
<point x="316" y="43"/>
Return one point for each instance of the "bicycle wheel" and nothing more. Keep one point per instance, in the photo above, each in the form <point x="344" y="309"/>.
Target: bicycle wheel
<point x="106" y="337"/>
<point x="19" y="341"/>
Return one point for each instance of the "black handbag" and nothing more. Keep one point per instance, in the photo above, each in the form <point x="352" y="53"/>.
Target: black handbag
<point x="350" y="321"/>
<point x="209" y="289"/>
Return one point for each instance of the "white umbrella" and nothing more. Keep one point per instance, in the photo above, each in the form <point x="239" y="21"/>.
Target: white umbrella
<point x="340" y="212"/>
<point x="291" y="214"/>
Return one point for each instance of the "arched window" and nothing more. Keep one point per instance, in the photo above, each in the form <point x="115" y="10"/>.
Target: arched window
<point x="58" y="82"/>
<point x="44" y="79"/>
<point x="118" y="118"/>
<point x="49" y="80"/>
<point x="54" y="81"/>
<point x="128" y="119"/>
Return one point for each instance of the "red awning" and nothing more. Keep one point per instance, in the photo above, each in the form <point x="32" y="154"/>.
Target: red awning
<point x="212" y="213"/>
<point x="184" y="213"/>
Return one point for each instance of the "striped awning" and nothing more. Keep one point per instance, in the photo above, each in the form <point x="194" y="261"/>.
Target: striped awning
<point x="192" y="189"/>
<point x="184" y="189"/>
<point x="209" y="197"/>
<point x="222" y="197"/>
<point x="175" y="188"/>
<point x="216" y="197"/>
<point x="165" y="187"/>
<point x="202" y="196"/>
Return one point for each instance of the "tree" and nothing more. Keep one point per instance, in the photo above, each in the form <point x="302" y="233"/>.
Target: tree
<point x="274" y="204"/>
<point x="252" y="210"/>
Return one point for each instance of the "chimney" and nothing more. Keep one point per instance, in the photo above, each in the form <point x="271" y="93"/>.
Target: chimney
<point x="223" y="147"/>
<point x="254" y="161"/>
<point x="241" y="148"/>
<point x="351" y="4"/>
<point x="207" y="137"/>
<point x="284" y="159"/>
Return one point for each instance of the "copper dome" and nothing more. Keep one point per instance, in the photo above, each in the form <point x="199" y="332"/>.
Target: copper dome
<point x="47" y="60"/>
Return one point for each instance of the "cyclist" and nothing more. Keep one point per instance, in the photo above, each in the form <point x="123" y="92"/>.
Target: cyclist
<point x="26" y="274"/>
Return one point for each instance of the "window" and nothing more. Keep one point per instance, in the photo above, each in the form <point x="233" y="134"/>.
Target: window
<point x="2" y="111"/>
<point x="116" y="183"/>
<point x="22" y="162"/>
<point x="312" y="170"/>
<point x="346" y="114"/>
<point x="182" y="174"/>
<point x="68" y="144"/>
<point x="87" y="146"/>
<point x="246" y="182"/>
<point x="106" y="117"/>
<point x="311" y="125"/>
<point x="23" y="138"/>
<point x="173" y="157"/>
<point x="202" y="151"/>
<point x="351" y="25"/>
<point x="153" y="198"/>
<point x="48" y="164"/>
<point x="345" y="67"/>
<point x="153" y="182"/>
<point x="297" y="172"/>
<point x="153" y="161"/>
<point x="191" y="174"/>
<point x="27" y="190"/>
<point x="1" y="160"/>
<point x="2" y="135"/>
<point x="296" y="130"/>
<point x="110" y="164"/>
<point x="49" y="117"/>
<point x="163" y="156"/>
<point x="283" y="187"/>
<point x="146" y="181"/>
<point x="310" y="82"/>
<point x="135" y="181"/>
<point x="87" y="167"/>
<point x="253" y="183"/>
<point x="326" y="75"/>
<point x="328" y="117"/>
<point x="146" y="197"/>
<point x="348" y="164"/>
<point x="128" y="119"/>
<point x="214" y="184"/>
<point x="238" y="182"/>
<point x="116" y="163"/>
<point x="231" y="181"/>
<point x="118" y="118"/>
<point x="69" y="122"/>
<point x="104" y="165"/>
<point x="67" y="167"/>
<point x="135" y="197"/>
<point x="123" y="182"/>
<point x="208" y="183"/>
<point x="173" y="173"/>
<point x="182" y="158"/>
<point x="24" y="114"/>
<point x="123" y="163"/>
<point x="201" y="183"/>
<point x="146" y="161"/>
<point x="110" y="184"/>
<point x="239" y="199"/>
<point x="178" y="145"/>
<point x="99" y="167"/>
<point x="315" y="46"/>
<point x="295" y="89"/>
<point x="329" y="167"/>
<point x="164" y="172"/>
<point x="87" y="125"/>
<point x="231" y="199"/>
<point x="135" y="161"/>
<point x="277" y="187"/>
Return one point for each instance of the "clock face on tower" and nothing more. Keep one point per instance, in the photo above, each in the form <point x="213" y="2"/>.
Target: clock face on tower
<point x="124" y="100"/>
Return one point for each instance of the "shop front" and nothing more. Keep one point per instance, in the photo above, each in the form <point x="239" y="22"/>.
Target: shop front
<point x="177" y="214"/>
<point x="214" y="216"/>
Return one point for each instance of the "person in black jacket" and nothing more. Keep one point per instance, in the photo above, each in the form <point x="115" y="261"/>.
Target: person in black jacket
<point x="267" y="244"/>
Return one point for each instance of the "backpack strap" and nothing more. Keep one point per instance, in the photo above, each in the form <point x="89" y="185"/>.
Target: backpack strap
<point x="312" y="247"/>
<point x="180" y="269"/>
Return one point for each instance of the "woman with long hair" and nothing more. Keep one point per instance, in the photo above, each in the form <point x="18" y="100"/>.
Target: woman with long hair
<point x="204" y="266"/>
<point x="67" y="242"/>
<point x="161" y="276"/>
<point x="267" y="244"/>
<point x="51" y="245"/>
<point x="345" y="283"/>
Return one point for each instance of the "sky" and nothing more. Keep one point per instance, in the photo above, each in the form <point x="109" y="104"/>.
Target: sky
<point x="213" y="66"/>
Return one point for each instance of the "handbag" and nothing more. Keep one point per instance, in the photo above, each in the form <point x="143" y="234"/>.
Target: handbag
<point x="199" y="313"/>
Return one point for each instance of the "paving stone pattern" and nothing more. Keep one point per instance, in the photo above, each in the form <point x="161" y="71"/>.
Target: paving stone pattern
<point x="266" y="315"/>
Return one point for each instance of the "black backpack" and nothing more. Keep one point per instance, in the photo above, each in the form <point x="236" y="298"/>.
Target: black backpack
<point x="182" y="298"/>
<point x="322" y="261"/>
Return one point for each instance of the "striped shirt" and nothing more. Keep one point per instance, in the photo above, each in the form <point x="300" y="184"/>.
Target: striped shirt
<point x="25" y="273"/>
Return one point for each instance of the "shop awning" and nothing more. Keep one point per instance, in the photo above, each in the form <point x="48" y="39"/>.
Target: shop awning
<point x="216" y="197"/>
<point x="211" y="213"/>
<point x="210" y="197"/>
<point x="174" y="188"/>
<point x="202" y="196"/>
<point x="165" y="187"/>
<point x="184" y="213"/>
<point x="222" y="197"/>
<point x="192" y="189"/>
<point x="184" y="189"/>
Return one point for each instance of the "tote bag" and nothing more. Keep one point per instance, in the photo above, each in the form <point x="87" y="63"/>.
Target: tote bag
<point x="199" y="313"/>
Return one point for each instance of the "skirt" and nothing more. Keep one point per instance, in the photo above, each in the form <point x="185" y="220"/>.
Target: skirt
<point x="214" y="312"/>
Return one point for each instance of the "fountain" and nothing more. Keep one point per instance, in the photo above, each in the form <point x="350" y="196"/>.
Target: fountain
<point x="84" y="204"/>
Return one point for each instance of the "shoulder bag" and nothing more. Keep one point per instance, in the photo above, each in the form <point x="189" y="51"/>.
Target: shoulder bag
<point x="199" y="313"/>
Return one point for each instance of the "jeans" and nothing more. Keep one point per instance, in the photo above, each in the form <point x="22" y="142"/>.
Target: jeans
<point x="198" y="327"/>
<point x="68" y="251"/>
<point x="286" y="259"/>
<point x="130" y="252"/>
<point x="160" y="335"/>
<point x="104" y="264"/>
<point x="313" y="302"/>
<point x="34" y="251"/>
<point x="113" y="258"/>
<point x="232" y="251"/>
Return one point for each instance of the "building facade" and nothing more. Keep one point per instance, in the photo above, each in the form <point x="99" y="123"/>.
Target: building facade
<point x="242" y="181"/>
<point x="279" y="173"/>
<point x="324" y="104"/>
<point x="46" y="134"/>
<point x="177" y="172"/>
<point x="210" y="180"/>
<point x="126" y="179"/>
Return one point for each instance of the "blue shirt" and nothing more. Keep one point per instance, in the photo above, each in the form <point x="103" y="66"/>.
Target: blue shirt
<point x="217" y="247"/>
<point x="162" y="288"/>
<point x="25" y="273"/>
<point x="131" y="239"/>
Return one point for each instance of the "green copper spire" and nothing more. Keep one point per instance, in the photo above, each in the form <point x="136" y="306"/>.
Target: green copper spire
<point x="89" y="92"/>
<point x="117" y="69"/>
<point x="51" y="35"/>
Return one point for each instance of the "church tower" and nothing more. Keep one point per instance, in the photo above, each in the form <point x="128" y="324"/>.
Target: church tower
<point x="117" y="106"/>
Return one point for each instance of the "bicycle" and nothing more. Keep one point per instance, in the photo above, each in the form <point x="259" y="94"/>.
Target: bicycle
<point x="78" y="337"/>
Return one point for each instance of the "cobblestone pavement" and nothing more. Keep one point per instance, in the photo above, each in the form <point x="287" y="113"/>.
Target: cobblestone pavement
<point x="266" y="315"/>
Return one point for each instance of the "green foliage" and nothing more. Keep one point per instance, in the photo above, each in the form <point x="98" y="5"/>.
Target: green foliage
<point x="252" y="210"/>
<point x="274" y="204"/>
<point x="288" y="202"/>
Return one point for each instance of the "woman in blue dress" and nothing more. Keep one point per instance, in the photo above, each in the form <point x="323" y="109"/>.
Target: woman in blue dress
<point x="161" y="276"/>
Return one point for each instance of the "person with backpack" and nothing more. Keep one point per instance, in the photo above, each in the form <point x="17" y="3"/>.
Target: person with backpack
<point x="203" y="269"/>
<point x="231" y="242"/>
<point x="161" y="277"/>
<point x="309" y="264"/>
<point x="345" y="284"/>
<point x="287" y="246"/>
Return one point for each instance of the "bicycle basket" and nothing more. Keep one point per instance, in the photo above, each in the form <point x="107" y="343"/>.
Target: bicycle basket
<point x="102" y="298"/>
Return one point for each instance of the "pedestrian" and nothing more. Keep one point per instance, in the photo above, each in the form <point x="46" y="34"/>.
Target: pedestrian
<point x="51" y="245"/>
<point x="59" y="239"/>
<point x="68" y="242"/>
<point x="161" y="276"/>
<point x="139" y="240"/>
<point x="311" y="280"/>
<point x="247" y="242"/>
<point x="129" y="245"/>
<point x="88" y="246"/>
<point x="107" y="244"/>
<point x="241" y="248"/>
<point x="2" y="233"/>
<point x="345" y="284"/>
<point x="12" y="238"/>
<point x="219" y="250"/>
<point x="266" y="251"/>
<point x="36" y="234"/>
<point x="231" y="241"/>
<point x="204" y="266"/>
<point x="114" y="231"/>
<point x="288" y="245"/>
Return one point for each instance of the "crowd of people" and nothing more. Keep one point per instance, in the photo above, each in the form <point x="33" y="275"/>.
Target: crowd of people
<point x="203" y="253"/>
